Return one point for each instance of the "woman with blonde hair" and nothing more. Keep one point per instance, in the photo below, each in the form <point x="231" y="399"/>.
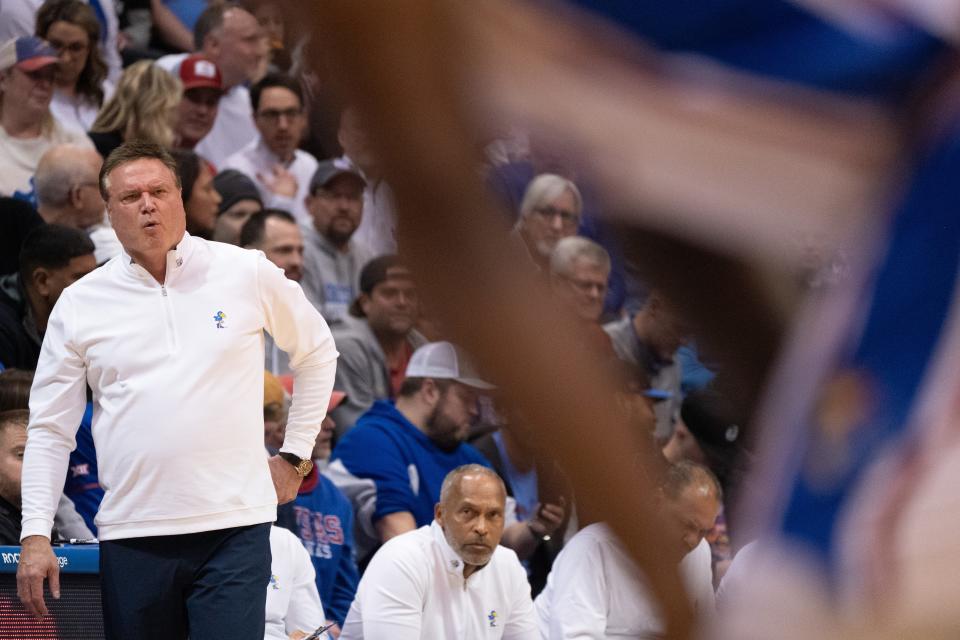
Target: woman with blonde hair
<point x="71" y="27"/>
<point x="143" y="107"/>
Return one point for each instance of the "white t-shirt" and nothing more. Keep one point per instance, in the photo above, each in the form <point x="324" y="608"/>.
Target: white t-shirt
<point x="76" y="112"/>
<point x="292" y="600"/>
<point x="19" y="157"/>
<point x="595" y="591"/>
<point x="414" y="589"/>
<point x="232" y="130"/>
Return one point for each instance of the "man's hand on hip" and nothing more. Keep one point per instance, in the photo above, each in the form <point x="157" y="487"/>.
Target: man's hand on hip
<point x="37" y="563"/>
<point x="286" y="480"/>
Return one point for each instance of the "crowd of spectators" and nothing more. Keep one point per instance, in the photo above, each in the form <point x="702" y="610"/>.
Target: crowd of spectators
<point x="229" y="89"/>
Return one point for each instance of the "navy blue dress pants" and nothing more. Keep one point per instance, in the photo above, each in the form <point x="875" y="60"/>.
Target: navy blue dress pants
<point x="207" y="585"/>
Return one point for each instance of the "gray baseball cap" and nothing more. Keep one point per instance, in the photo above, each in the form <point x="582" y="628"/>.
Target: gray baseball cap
<point x="443" y="361"/>
<point x="330" y="169"/>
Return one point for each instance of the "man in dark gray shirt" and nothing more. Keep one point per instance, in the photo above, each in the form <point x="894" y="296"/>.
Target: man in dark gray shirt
<point x="332" y="259"/>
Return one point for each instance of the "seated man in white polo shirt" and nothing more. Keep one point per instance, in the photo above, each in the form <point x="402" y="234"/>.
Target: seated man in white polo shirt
<point x="596" y="592"/>
<point x="450" y="579"/>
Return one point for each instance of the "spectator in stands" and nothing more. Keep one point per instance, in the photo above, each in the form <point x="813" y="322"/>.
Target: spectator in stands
<point x="579" y="271"/>
<point x="200" y="200"/>
<point x="224" y="297"/>
<point x="232" y="38"/>
<point x="144" y="107"/>
<point x="53" y="257"/>
<point x="438" y="581"/>
<point x="595" y="590"/>
<point x="376" y="345"/>
<point x="15" y="389"/>
<point x="275" y="407"/>
<point x="550" y="211"/>
<point x="27" y="129"/>
<point x="17" y="219"/>
<point x="239" y="199"/>
<point x="424" y="431"/>
<point x="13" y="441"/>
<point x="710" y="432"/>
<point x="650" y="339"/>
<point x="377" y="230"/>
<point x="332" y="258"/>
<point x="281" y="172"/>
<point x="276" y="233"/>
<point x="324" y="523"/>
<point x="20" y="19"/>
<point x="293" y="605"/>
<point x="81" y="493"/>
<point x="202" y="88"/>
<point x="269" y="13"/>
<point x="67" y="194"/>
<point x="71" y="27"/>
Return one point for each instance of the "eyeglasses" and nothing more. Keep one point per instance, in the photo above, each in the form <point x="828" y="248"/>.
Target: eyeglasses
<point x="586" y="286"/>
<point x="43" y="74"/>
<point x="273" y="115"/>
<point x="568" y="218"/>
<point x="74" y="48"/>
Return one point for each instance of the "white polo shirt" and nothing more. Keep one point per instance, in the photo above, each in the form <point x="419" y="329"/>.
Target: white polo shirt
<point x="595" y="591"/>
<point x="414" y="589"/>
<point x="293" y="603"/>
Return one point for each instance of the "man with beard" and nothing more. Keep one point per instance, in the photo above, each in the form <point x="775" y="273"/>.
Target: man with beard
<point x="377" y="343"/>
<point x="332" y="260"/>
<point x="449" y="579"/>
<point x="392" y="464"/>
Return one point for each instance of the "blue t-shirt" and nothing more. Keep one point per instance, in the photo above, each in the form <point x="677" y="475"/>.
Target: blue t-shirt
<point x="406" y="467"/>
<point x="324" y="524"/>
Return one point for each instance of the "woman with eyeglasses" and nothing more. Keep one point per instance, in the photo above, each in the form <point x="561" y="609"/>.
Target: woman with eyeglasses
<point x="80" y="84"/>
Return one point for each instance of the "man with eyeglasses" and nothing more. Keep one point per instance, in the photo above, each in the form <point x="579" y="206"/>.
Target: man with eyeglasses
<point x="281" y="171"/>
<point x="579" y="270"/>
<point x="27" y="130"/>
<point x="549" y="212"/>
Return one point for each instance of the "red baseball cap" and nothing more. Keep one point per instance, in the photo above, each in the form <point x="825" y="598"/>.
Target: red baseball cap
<point x="197" y="71"/>
<point x="27" y="53"/>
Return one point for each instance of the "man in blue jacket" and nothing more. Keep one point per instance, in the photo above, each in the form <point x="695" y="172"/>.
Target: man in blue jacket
<point x="392" y="464"/>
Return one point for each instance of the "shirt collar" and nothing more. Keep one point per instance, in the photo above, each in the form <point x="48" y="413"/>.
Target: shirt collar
<point x="452" y="562"/>
<point x="267" y="157"/>
<point x="176" y="257"/>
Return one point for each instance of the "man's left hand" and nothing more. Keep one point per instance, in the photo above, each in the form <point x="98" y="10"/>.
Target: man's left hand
<point x="286" y="480"/>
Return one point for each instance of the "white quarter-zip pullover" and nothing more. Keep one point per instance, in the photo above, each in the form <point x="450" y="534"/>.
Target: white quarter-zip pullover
<point x="414" y="589"/>
<point x="176" y="370"/>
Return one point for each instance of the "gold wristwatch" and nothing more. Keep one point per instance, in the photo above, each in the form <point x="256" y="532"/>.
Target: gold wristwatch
<point x="302" y="466"/>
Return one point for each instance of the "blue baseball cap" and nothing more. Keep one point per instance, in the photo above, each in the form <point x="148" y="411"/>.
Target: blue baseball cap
<point x="27" y="53"/>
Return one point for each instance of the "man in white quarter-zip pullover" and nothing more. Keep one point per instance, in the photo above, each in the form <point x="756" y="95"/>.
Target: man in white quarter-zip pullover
<point x="450" y="579"/>
<point x="169" y="337"/>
